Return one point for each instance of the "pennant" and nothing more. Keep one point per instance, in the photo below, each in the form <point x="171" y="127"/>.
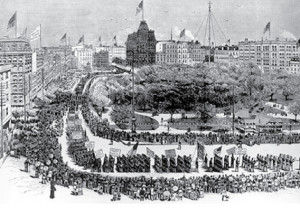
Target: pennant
<point x="81" y="39"/>
<point x="182" y="33"/>
<point x="12" y="21"/>
<point x="36" y="34"/>
<point x="115" y="38"/>
<point x="133" y="150"/>
<point x="64" y="37"/>
<point x="218" y="150"/>
<point x="267" y="28"/>
<point x="23" y="34"/>
<point x="140" y="7"/>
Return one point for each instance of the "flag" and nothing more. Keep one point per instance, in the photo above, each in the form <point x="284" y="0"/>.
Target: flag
<point x="139" y="8"/>
<point x="200" y="150"/>
<point x="115" y="38"/>
<point x="23" y="34"/>
<point x="63" y="38"/>
<point x="267" y="28"/>
<point x="133" y="150"/>
<point x="182" y="33"/>
<point x="81" y="39"/>
<point x="150" y="153"/>
<point x="218" y="150"/>
<point x="12" y="21"/>
<point x="36" y="34"/>
<point x="231" y="151"/>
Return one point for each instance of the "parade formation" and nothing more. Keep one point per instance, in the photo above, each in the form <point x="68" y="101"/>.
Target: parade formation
<point x="157" y="120"/>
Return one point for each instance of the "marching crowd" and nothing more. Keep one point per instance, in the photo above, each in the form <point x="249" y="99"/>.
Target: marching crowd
<point x="44" y="161"/>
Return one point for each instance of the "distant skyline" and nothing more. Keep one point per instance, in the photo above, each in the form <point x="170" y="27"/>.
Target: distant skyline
<point x="238" y="19"/>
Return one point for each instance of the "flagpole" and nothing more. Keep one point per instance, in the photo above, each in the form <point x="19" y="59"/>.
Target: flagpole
<point x="143" y="12"/>
<point x="40" y="35"/>
<point x="270" y="32"/>
<point x="83" y="40"/>
<point x="16" y="27"/>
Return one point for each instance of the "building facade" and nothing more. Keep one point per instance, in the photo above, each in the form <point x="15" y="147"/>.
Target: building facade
<point x="294" y="67"/>
<point x="84" y="55"/>
<point x="226" y="53"/>
<point x="17" y="52"/>
<point x="5" y="91"/>
<point x="113" y="52"/>
<point x="140" y="46"/>
<point x="100" y="59"/>
<point x="269" y="54"/>
<point x="180" y="52"/>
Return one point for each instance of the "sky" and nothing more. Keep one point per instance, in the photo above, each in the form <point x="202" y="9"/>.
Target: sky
<point x="238" y="19"/>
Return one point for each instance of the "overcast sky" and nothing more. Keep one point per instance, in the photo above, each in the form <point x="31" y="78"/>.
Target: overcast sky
<point x="238" y="19"/>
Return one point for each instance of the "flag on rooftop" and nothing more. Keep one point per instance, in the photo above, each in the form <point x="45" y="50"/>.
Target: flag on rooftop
<point x="23" y="34"/>
<point x="64" y="37"/>
<point x="140" y="7"/>
<point x="81" y="39"/>
<point x="267" y="28"/>
<point x="12" y="21"/>
<point x="36" y="34"/>
<point x="182" y="33"/>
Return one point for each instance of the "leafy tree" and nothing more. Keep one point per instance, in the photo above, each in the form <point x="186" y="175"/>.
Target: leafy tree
<point x="294" y="108"/>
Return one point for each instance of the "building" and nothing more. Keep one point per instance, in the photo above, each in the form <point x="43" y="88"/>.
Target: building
<point x="140" y="46"/>
<point x="84" y="55"/>
<point x="226" y="53"/>
<point x="269" y="54"/>
<point x="180" y="52"/>
<point x="5" y="90"/>
<point x="100" y="59"/>
<point x="17" y="52"/>
<point x="114" y="51"/>
<point x="294" y="67"/>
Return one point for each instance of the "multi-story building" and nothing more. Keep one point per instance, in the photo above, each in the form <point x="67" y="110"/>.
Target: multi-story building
<point x="226" y="53"/>
<point x="17" y="52"/>
<point x="171" y="52"/>
<point x="113" y="52"/>
<point x="294" y="67"/>
<point x="100" y="59"/>
<point x="140" y="46"/>
<point x="84" y="55"/>
<point x="269" y="54"/>
<point x="5" y="90"/>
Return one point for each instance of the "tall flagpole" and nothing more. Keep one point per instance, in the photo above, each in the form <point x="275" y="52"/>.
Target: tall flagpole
<point x="16" y="26"/>
<point x="40" y="36"/>
<point x="143" y="11"/>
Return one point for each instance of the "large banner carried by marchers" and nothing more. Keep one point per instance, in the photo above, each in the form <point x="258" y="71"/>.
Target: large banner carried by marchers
<point x="170" y="153"/>
<point x="200" y="150"/>
<point x="114" y="152"/>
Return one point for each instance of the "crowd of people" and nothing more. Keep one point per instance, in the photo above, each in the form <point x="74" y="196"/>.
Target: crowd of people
<point x="44" y="161"/>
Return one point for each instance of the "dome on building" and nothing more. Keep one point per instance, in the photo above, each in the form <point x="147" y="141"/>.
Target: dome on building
<point x="143" y="26"/>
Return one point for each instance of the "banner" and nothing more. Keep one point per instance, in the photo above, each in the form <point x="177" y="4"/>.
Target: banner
<point x="90" y="144"/>
<point x="99" y="154"/>
<point x="217" y="164"/>
<point x="240" y="151"/>
<point x="231" y="151"/>
<point x="114" y="152"/>
<point x="35" y="34"/>
<point x="150" y="153"/>
<point x="77" y="135"/>
<point x="200" y="150"/>
<point x="170" y="153"/>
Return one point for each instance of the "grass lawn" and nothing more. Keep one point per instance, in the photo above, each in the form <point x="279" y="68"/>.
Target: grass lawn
<point x="142" y="123"/>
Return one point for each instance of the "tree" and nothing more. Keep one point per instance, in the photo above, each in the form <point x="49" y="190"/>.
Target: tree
<point x="171" y="102"/>
<point x="289" y="86"/>
<point x="294" y="108"/>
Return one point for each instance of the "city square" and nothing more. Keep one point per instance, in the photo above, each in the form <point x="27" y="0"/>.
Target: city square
<point x="131" y="114"/>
